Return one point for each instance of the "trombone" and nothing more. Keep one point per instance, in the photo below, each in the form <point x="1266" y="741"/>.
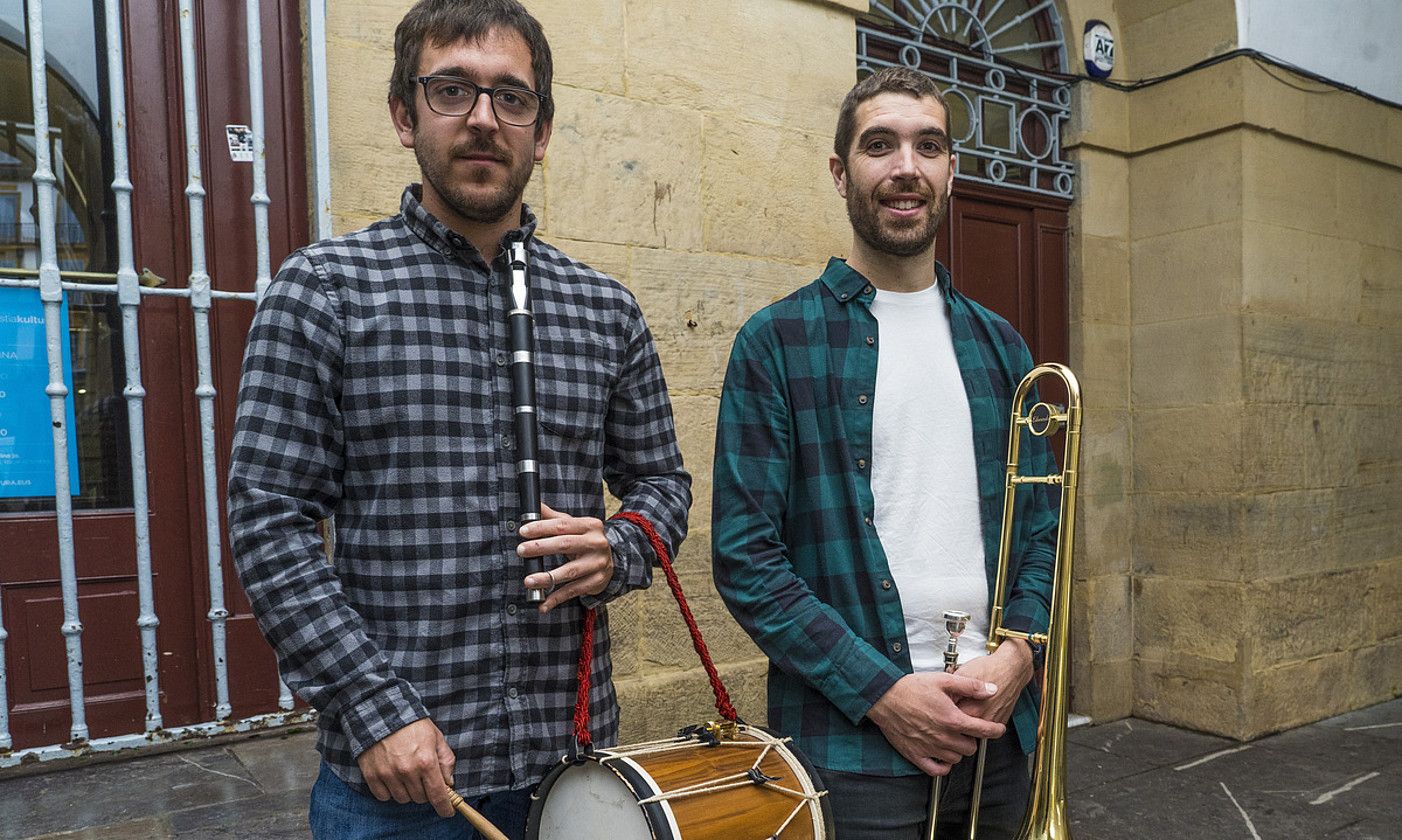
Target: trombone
<point x="1045" y="818"/>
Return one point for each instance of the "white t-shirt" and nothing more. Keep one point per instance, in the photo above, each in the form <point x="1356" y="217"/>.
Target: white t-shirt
<point x="924" y="478"/>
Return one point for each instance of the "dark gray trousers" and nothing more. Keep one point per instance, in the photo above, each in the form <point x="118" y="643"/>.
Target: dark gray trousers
<point x="896" y="807"/>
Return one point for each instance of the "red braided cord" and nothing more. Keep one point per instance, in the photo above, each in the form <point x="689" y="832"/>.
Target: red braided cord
<point x="586" y="649"/>
<point x="581" y="698"/>
<point x="723" y="705"/>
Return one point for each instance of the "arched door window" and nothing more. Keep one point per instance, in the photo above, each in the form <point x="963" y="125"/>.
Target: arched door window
<point x="991" y="57"/>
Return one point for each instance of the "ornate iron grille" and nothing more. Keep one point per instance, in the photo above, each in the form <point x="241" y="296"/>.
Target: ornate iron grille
<point x="1005" y="118"/>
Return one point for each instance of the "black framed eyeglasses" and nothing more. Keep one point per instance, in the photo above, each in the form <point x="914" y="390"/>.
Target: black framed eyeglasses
<point x="452" y="96"/>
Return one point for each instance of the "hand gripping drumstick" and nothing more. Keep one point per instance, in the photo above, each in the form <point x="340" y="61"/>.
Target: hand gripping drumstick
<point x="482" y="824"/>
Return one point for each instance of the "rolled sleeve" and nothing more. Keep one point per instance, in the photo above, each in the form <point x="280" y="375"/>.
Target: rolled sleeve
<point x="374" y="718"/>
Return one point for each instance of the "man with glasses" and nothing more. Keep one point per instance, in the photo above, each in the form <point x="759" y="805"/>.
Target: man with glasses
<point x="376" y="392"/>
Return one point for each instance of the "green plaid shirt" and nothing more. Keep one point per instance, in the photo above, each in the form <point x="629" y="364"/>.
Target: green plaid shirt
<point x="797" y="558"/>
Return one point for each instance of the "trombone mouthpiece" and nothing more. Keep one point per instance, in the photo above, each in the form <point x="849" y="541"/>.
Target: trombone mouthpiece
<point x="955" y="621"/>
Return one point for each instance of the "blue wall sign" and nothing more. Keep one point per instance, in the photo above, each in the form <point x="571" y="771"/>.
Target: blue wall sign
<point x="26" y="431"/>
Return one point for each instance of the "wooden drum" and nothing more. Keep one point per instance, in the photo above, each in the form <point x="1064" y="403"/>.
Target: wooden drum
<point x="749" y="785"/>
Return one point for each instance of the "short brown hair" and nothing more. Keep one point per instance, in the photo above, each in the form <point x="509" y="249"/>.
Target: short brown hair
<point x="450" y="21"/>
<point x="887" y="80"/>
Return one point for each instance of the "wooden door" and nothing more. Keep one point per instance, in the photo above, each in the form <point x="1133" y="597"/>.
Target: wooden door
<point x="1007" y="250"/>
<point x="232" y="259"/>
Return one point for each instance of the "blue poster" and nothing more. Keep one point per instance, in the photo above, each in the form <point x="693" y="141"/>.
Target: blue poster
<point x="26" y="431"/>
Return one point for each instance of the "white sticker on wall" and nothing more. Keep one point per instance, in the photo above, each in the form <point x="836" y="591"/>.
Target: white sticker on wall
<point x="240" y="143"/>
<point x="1099" y="49"/>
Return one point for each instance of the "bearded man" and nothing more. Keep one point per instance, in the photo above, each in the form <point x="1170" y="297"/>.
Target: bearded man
<point x="860" y="457"/>
<point x="377" y="393"/>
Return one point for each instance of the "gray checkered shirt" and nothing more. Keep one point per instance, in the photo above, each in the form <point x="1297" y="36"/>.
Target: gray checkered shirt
<point x="376" y="388"/>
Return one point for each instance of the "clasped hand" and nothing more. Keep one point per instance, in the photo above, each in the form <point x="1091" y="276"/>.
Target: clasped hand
<point x="921" y="718"/>
<point x="935" y="719"/>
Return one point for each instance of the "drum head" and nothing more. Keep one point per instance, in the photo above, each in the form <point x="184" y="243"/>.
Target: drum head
<point x="588" y="801"/>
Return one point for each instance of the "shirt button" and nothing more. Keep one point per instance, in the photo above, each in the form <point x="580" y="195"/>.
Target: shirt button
<point x="509" y="526"/>
<point x="842" y="296"/>
<point x="511" y="609"/>
<point x="871" y="339"/>
<point x="896" y="646"/>
<point x="885" y="584"/>
<point x="866" y="290"/>
<point x="867" y="520"/>
<point x="513" y="693"/>
<point x="861" y="463"/>
<point x="501" y="360"/>
<point x="508" y="442"/>
<point x="862" y="399"/>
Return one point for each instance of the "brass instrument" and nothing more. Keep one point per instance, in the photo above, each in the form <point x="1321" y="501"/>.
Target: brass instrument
<point x="954" y="623"/>
<point x="1046" y="807"/>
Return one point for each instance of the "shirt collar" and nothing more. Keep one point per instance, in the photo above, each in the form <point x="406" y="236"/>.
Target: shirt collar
<point x="444" y="239"/>
<point x="847" y="284"/>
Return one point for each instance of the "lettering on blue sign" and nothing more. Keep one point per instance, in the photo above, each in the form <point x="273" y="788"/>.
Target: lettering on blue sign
<point x="26" y="424"/>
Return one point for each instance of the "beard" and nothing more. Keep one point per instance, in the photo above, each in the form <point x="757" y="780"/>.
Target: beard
<point x="473" y="205"/>
<point x="902" y="239"/>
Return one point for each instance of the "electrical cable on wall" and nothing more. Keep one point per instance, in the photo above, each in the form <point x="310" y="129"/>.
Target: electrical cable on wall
<point x="1263" y="60"/>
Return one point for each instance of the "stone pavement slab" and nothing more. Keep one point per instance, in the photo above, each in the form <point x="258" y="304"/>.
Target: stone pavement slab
<point x="251" y="789"/>
<point x="1338" y="779"/>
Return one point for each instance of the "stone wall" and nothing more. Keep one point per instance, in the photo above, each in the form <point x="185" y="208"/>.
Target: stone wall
<point x="1102" y="627"/>
<point x="1235" y="254"/>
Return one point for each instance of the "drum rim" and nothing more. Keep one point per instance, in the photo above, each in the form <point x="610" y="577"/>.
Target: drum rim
<point x="660" y="820"/>
<point x="814" y="777"/>
<point x="659" y="814"/>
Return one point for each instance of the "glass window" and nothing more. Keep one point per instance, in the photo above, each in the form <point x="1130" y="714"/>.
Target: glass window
<point x="80" y="149"/>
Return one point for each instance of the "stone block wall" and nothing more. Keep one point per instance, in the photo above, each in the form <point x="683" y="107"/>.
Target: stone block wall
<point x="1250" y="261"/>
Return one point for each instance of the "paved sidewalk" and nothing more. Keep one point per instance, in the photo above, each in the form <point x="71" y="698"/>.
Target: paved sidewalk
<point x="1339" y="779"/>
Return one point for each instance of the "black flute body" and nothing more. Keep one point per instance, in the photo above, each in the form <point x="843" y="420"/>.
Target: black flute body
<point x="520" y="327"/>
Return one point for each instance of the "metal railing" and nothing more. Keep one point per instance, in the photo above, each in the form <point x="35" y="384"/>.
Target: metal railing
<point x="52" y="282"/>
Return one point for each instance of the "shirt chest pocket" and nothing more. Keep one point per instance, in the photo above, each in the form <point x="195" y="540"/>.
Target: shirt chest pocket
<point x="573" y="384"/>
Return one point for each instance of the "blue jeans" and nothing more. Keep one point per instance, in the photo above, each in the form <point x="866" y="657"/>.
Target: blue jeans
<point x="339" y="813"/>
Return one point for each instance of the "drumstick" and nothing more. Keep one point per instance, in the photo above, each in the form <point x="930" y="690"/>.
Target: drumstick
<point x="479" y="822"/>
